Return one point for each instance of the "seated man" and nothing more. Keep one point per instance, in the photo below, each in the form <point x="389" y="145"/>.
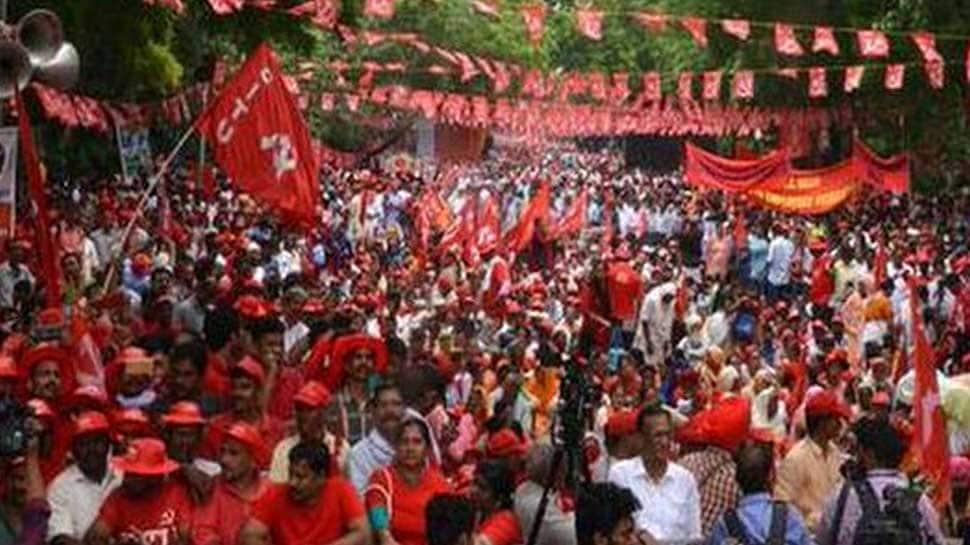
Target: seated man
<point x="313" y="507"/>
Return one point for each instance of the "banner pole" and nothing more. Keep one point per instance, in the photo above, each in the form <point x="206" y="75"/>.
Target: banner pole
<point x="152" y="183"/>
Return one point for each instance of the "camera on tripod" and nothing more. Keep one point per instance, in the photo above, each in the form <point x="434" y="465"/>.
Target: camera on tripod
<point x="14" y="433"/>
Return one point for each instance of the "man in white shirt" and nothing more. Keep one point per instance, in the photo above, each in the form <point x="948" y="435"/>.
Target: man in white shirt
<point x="668" y="492"/>
<point x="14" y="270"/>
<point x="76" y="494"/>
<point x="780" y="253"/>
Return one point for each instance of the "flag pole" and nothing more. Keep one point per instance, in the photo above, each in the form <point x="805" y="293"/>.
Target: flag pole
<point x="152" y="183"/>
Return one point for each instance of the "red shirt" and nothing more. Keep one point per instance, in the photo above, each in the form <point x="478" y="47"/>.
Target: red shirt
<point x="152" y="520"/>
<point x="216" y="380"/>
<point x="327" y="520"/>
<point x="217" y="522"/>
<point x="822" y="286"/>
<point x="501" y="528"/>
<point x="407" y="503"/>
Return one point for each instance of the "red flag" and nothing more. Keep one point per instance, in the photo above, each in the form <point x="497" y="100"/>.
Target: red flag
<point x="260" y="140"/>
<point x="681" y="298"/>
<point x="460" y="230"/>
<point x="485" y="8"/>
<point x="895" y="76"/>
<point x="537" y="210"/>
<point x="935" y="73"/>
<point x="818" y="86"/>
<point x="589" y="22"/>
<point x="596" y="83"/>
<point x="652" y="91"/>
<point x="712" y="85"/>
<point x="574" y="220"/>
<point x="88" y="364"/>
<point x="853" y="77"/>
<point x="322" y="13"/>
<point x="225" y="7"/>
<point x="786" y="42"/>
<point x="825" y="41"/>
<point x="872" y="44"/>
<point x="620" y="89"/>
<point x="739" y="28"/>
<point x="929" y="428"/>
<point x="743" y="84"/>
<point x="926" y="43"/>
<point x="489" y="227"/>
<point x="697" y="28"/>
<point x="740" y="232"/>
<point x="650" y="21"/>
<point x="35" y="180"/>
<point x="534" y="17"/>
<point x="685" y="86"/>
<point x="379" y="9"/>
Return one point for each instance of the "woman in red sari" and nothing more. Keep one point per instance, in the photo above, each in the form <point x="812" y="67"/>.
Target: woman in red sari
<point x="492" y="492"/>
<point x="398" y="494"/>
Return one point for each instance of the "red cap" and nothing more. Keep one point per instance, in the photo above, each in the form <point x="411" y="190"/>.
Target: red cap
<point x="881" y="399"/>
<point x="90" y="422"/>
<point x="249" y="437"/>
<point x="313" y="395"/>
<point x="252" y="307"/>
<point x="621" y="424"/>
<point x="505" y="444"/>
<point x="147" y="457"/>
<point x="725" y="425"/>
<point x="132" y="422"/>
<point x="252" y="369"/>
<point x="8" y="368"/>
<point x="826" y="403"/>
<point x="45" y="352"/>
<point x="89" y="396"/>
<point x="345" y="346"/>
<point x="183" y="413"/>
<point x="313" y="306"/>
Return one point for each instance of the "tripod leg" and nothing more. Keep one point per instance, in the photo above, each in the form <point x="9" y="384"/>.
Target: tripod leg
<point x="557" y="459"/>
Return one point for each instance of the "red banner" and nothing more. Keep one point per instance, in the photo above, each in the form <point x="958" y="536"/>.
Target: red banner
<point x="260" y="140"/>
<point x="890" y="174"/>
<point x="708" y="170"/>
<point x="809" y="192"/>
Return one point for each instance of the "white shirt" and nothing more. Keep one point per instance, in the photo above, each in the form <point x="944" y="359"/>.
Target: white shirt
<point x="780" y="253"/>
<point x="75" y="501"/>
<point x="670" y="508"/>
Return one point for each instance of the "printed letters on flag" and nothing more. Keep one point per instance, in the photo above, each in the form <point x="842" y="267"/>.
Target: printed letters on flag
<point x="260" y="139"/>
<point x="743" y="84"/>
<point x="873" y="44"/>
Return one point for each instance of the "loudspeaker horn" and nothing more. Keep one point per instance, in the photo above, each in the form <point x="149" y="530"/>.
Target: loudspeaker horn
<point x="62" y="70"/>
<point x="41" y="32"/>
<point x="15" y="68"/>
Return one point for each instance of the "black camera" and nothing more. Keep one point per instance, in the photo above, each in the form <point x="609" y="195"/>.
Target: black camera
<point x="13" y="428"/>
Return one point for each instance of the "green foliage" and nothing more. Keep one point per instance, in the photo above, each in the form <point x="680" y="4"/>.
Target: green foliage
<point x="134" y="52"/>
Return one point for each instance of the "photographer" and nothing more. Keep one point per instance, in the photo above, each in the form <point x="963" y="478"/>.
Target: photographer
<point x="23" y="507"/>
<point x="604" y="516"/>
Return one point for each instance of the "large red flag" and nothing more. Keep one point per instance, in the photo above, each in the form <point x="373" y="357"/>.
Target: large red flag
<point x="574" y="220"/>
<point x="929" y="429"/>
<point x="489" y="226"/>
<point x="42" y="230"/>
<point x="259" y="139"/>
<point x="537" y="210"/>
<point x="460" y="230"/>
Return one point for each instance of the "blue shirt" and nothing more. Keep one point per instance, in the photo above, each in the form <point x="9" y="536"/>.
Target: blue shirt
<point x="754" y="511"/>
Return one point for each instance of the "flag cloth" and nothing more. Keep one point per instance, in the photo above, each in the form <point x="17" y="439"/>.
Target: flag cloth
<point x="743" y="84"/>
<point x="853" y="77"/>
<point x="818" y="86"/>
<point x="929" y="428"/>
<point x="460" y="230"/>
<point x="650" y="21"/>
<point x="786" y="42"/>
<point x="379" y="9"/>
<point x="697" y="28"/>
<point x="259" y="138"/>
<point x="712" y="85"/>
<point x="536" y="211"/>
<point x="49" y="264"/>
<point x="825" y="41"/>
<point x="534" y="18"/>
<point x="589" y="22"/>
<point x="739" y="28"/>
<point x="574" y="220"/>
<point x="488" y="227"/>
<point x="873" y="44"/>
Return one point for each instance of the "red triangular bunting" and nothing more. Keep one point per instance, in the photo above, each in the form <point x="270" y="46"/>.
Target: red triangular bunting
<point x="712" y="85"/>
<point x="697" y="28"/>
<point x="652" y="91"/>
<point x="739" y="28"/>
<point x="825" y="41"/>
<point x="651" y="21"/>
<point x="926" y="43"/>
<point x="935" y="73"/>
<point x="534" y="17"/>
<point x="589" y="22"/>
<point x="895" y="76"/>
<point x="485" y="8"/>
<point x="786" y="43"/>
<point x="853" y="78"/>
<point x="818" y="86"/>
<point x="685" y="84"/>
<point x="620" y="90"/>
<point x="743" y="84"/>
<point x="873" y="44"/>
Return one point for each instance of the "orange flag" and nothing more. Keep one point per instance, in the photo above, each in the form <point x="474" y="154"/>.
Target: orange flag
<point x="536" y="210"/>
<point x="929" y="429"/>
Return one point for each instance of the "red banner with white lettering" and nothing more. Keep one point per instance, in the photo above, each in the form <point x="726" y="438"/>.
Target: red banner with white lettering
<point x="259" y="138"/>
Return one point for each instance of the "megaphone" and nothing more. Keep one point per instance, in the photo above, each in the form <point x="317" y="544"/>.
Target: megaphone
<point x="15" y="68"/>
<point x="62" y="70"/>
<point x="41" y="32"/>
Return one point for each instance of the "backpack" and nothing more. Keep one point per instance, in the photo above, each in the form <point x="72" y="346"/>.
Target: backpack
<point x="896" y="523"/>
<point x="737" y="535"/>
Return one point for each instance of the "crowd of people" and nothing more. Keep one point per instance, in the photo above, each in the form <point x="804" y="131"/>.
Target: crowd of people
<point x="217" y="376"/>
